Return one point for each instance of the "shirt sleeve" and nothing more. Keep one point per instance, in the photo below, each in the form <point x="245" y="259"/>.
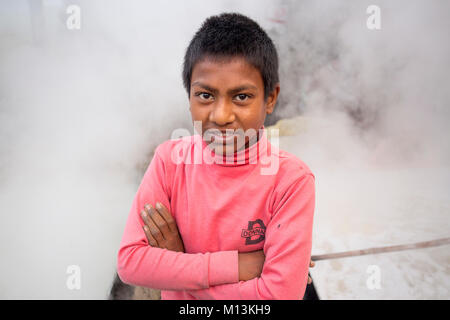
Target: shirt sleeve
<point x="287" y="250"/>
<point x="142" y="265"/>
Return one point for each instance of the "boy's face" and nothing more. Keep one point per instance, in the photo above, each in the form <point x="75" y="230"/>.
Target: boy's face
<point x="229" y="94"/>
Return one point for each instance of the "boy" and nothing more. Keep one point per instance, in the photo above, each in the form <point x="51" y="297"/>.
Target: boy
<point x="214" y="225"/>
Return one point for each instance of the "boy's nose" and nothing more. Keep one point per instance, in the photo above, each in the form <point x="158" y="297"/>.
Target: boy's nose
<point x="222" y="114"/>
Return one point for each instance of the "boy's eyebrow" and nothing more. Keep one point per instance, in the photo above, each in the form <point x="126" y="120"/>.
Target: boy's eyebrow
<point x="241" y="88"/>
<point x="230" y="91"/>
<point x="204" y="86"/>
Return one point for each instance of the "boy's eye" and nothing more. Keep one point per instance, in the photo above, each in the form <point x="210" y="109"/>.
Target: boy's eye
<point x="242" y="97"/>
<point x="204" y="95"/>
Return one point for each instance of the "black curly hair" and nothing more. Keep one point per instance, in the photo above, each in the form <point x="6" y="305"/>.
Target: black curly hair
<point x="229" y="35"/>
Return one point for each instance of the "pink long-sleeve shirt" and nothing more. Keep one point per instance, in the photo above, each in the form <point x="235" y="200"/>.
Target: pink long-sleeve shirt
<point x="263" y="200"/>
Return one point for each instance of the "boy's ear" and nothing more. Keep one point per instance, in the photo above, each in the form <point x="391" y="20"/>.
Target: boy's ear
<point x="272" y="99"/>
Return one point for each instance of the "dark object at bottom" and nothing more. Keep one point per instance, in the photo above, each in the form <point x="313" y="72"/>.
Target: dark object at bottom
<point x="310" y="292"/>
<point x="120" y="290"/>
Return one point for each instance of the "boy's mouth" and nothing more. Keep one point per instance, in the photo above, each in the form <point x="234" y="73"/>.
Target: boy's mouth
<point x="222" y="137"/>
<point x="226" y="138"/>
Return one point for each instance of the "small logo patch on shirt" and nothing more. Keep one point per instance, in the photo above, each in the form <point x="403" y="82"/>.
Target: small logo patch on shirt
<point x="256" y="230"/>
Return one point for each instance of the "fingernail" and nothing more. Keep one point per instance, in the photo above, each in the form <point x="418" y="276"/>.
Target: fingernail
<point x="158" y="205"/>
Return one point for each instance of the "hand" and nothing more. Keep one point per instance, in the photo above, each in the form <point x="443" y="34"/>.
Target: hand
<point x="311" y="265"/>
<point x="250" y="264"/>
<point x="160" y="228"/>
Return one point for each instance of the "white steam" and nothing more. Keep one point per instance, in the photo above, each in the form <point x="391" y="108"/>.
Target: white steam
<point x="80" y="113"/>
<point x="377" y="108"/>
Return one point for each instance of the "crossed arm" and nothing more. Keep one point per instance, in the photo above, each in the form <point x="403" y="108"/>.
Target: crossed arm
<point x="162" y="232"/>
<point x="278" y="272"/>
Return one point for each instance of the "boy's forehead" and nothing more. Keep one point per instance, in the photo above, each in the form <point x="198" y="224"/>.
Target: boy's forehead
<point x="234" y="70"/>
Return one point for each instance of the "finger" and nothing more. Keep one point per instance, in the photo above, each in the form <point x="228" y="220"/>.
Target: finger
<point x="159" y="221"/>
<point x="312" y="264"/>
<point x="154" y="230"/>
<point x="309" y="280"/>
<point x="151" y="241"/>
<point x="164" y="212"/>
